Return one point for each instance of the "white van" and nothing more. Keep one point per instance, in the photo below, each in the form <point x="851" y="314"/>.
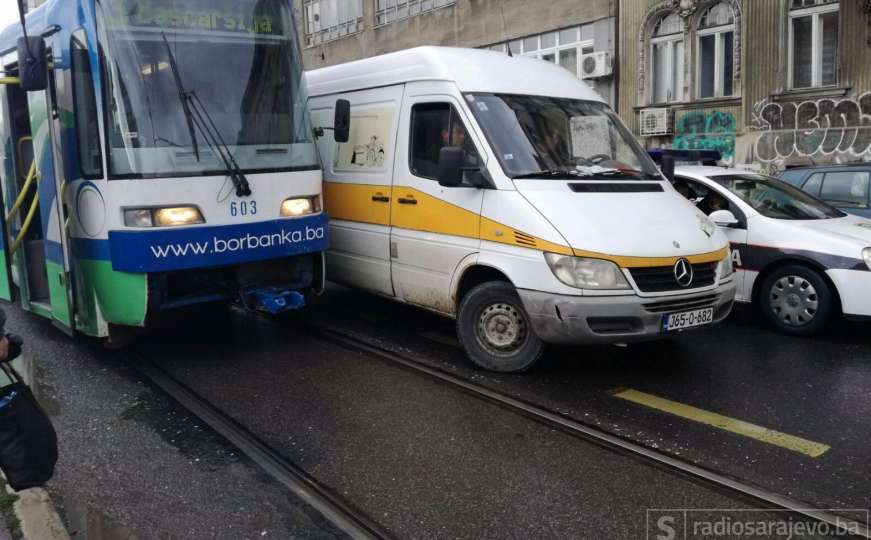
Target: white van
<point x="505" y="193"/>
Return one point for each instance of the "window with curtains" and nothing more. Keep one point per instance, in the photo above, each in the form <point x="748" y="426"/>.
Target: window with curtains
<point x="667" y="60"/>
<point x="328" y="20"/>
<point x="813" y="43"/>
<point x="715" y="52"/>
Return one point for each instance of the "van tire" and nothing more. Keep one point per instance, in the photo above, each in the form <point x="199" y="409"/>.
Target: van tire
<point x="495" y="331"/>
<point x="787" y="290"/>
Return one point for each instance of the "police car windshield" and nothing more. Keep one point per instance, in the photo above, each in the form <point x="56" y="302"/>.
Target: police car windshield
<point x="776" y="199"/>
<point x="547" y="137"/>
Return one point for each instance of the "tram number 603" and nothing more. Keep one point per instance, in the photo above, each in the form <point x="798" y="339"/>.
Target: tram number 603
<point x="243" y="208"/>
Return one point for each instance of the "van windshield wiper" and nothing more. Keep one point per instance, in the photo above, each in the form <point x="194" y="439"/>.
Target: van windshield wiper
<point x="549" y="173"/>
<point x="197" y="115"/>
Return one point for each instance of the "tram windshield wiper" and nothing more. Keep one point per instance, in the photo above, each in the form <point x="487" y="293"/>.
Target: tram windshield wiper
<point x="182" y="96"/>
<point x="197" y="115"/>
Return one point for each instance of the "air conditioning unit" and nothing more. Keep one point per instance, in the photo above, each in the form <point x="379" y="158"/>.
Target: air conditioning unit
<point x="655" y="122"/>
<point x="595" y="65"/>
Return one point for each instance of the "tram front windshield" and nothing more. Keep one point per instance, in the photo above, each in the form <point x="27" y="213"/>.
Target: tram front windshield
<point x="239" y="58"/>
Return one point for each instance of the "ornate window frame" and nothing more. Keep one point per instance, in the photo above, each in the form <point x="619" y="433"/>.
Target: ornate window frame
<point x="690" y="10"/>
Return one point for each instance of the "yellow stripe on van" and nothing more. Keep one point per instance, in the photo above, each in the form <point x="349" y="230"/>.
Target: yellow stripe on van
<point x="431" y="214"/>
<point x="649" y="262"/>
<point x="354" y="202"/>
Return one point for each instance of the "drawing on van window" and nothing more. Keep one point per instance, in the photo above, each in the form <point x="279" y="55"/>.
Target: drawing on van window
<point x="369" y="140"/>
<point x="547" y="137"/>
<point x="435" y="126"/>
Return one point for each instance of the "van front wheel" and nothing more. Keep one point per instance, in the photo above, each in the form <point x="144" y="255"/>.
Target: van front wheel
<point x="495" y="331"/>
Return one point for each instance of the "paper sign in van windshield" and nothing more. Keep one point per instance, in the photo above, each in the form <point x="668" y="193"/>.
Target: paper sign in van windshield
<point x="166" y="250"/>
<point x="237" y="16"/>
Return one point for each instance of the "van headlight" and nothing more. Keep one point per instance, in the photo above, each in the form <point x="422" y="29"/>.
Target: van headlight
<point x="584" y="273"/>
<point x="866" y="254"/>
<point x="170" y="216"/>
<point x="300" y="206"/>
<point x="726" y="268"/>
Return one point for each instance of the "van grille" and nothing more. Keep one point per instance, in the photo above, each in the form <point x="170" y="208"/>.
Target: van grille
<point x="661" y="278"/>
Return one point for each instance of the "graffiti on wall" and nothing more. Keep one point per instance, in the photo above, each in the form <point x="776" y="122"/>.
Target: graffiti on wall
<point x="832" y="129"/>
<point x="706" y="130"/>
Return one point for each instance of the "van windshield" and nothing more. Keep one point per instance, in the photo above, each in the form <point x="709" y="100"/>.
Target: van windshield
<point x="547" y="137"/>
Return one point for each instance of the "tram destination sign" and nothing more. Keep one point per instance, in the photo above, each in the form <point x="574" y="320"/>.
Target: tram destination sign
<point x="240" y="16"/>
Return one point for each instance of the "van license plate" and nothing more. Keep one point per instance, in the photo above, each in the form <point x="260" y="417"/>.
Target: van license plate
<point x="687" y="319"/>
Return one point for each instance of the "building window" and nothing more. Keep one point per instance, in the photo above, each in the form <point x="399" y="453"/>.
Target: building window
<point x="813" y="43"/>
<point x="562" y="47"/>
<point x="328" y="20"/>
<point x="667" y="60"/>
<point x="388" y="11"/>
<point x="716" y="49"/>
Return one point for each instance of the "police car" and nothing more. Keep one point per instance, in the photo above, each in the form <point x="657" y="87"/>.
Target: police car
<point x="798" y="259"/>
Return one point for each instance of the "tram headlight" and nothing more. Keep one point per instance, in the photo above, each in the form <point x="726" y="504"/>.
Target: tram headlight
<point x="176" y="216"/>
<point x="139" y="217"/>
<point x="300" y="206"/>
<point x="172" y="216"/>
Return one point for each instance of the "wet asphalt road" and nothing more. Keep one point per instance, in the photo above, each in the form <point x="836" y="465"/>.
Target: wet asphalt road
<point x="817" y="389"/>
<point x="425" y="460"/>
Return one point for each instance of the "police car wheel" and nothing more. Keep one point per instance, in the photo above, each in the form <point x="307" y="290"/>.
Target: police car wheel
<point x="796" y="300"/>
<point x="495" y="331"/>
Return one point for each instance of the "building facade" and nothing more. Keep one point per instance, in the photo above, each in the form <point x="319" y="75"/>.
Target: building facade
<point x="571" y="33"/>
<point x="769" y="83"/>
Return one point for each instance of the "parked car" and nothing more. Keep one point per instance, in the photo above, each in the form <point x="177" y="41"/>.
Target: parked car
<point x="799" y="259"/>
<point x="843" y="186"/>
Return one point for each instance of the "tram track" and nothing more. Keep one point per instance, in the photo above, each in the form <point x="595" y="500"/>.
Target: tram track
<point x="764" y="499"/>
<point x="343" y="515"/>
<point x="356" y="524"/>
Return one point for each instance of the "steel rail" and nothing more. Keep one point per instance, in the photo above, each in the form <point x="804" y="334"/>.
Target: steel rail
<point x="767" y="500"/>
<point x="332" y="507"/>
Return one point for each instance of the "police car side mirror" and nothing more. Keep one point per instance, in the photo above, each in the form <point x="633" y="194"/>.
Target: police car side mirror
<point x="451" y="161"/>
<point x="342" y="121"/>
<point x="32" y="64"/>
<point x="724" y="218"/>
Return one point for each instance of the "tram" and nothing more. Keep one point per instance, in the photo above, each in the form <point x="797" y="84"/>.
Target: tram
<point x="157" y="154"/>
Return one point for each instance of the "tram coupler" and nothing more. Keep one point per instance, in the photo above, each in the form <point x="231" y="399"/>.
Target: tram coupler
<point x="273" y="300"/>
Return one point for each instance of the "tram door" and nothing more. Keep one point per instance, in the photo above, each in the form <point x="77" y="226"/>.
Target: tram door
<point x="37" y="239"/>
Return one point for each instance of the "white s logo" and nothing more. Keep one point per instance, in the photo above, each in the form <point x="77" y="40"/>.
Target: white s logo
<point x="666" y="525"/>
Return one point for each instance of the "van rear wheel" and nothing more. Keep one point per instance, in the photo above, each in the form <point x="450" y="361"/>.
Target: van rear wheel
<point x="495" y="330"/>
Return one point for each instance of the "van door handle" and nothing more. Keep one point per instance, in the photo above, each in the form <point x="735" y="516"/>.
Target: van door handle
<point x="380" y="198"/>
<point x="403" y="200"/>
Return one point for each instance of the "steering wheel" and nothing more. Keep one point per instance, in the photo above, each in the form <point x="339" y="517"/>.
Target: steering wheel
<point x="598" y="158"/>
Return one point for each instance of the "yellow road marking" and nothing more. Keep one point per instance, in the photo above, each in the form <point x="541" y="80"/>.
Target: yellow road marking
<point x="790" y="442"/>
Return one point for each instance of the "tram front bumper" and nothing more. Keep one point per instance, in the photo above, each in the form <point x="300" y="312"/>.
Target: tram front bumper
<point x="572" y="320"/>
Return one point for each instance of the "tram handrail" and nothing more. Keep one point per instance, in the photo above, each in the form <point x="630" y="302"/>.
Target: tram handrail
<point x="31" y="177"/>
<point x="26" y="226"/>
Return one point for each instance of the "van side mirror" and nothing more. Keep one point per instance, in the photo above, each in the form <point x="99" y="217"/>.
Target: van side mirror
<point x="723" y="218"/>
<point x="666" y="165"/>
<point x="32" y="64"/>
<point x="451" y="162"/>
<point x="342" y="121"/>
